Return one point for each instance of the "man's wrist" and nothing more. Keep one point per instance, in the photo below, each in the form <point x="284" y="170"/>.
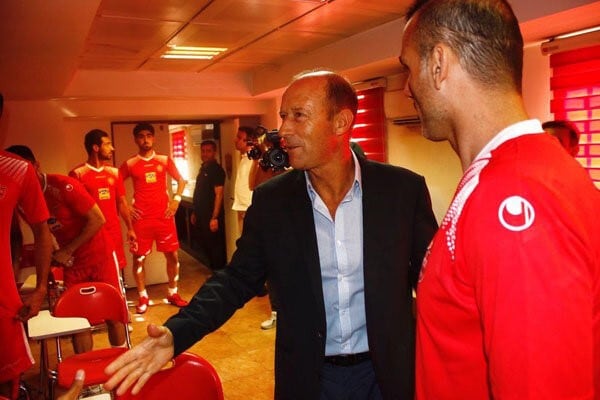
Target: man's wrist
<point x="177" y="198"/>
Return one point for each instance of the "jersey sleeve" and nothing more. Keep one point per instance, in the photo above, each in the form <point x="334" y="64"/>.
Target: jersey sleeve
<point x="76" y="196"/>
<point x="172" y="169"/>
<point x="532" y="288"/>
<point x="124" y="171"/>
<point x="119" y="185"/>
<point x="31" y="202"/>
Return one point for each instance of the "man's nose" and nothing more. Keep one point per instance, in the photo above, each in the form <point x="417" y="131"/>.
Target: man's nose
<point x="407" y="92"/>
<point x="284" y="128"/>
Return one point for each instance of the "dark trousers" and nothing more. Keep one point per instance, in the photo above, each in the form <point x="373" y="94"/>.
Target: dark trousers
<point x="356" y="382"/>
<point x="273" y="299"/>
<point x="212" y="244"/>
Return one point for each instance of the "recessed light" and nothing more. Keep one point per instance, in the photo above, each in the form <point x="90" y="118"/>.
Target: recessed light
<point x="192" y="52"/>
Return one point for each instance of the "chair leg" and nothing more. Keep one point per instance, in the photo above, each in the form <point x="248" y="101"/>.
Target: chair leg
<point x="51" y="388"/>
<point x="23" y="392"/>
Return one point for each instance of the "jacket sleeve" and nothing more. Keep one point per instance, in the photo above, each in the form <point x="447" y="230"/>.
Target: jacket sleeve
<point x="228" y="289"/>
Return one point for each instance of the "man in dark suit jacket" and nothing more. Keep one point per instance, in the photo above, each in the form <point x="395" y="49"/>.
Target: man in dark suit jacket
<point x="284" y="241"/>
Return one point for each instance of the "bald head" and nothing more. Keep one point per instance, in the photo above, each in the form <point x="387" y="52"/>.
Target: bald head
<point x="339" y="93"/>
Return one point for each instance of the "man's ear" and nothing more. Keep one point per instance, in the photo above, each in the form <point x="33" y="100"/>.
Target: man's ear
<point x="438" y="64"/>
<point x="96" y="148"/>
<point x="343" y="121"/>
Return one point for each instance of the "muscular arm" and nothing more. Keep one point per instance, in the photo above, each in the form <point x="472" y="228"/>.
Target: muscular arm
<point x="126" y="217"/>
<point x="94" y="221"/>
<point x="214" y="221"/>
<point x="174" y="204"/>
<point x="180" y="186"/>
<point x="43" y="250"/>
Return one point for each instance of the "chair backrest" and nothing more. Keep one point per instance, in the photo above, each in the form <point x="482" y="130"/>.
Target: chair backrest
<point x="95" y="301"/>
<point x="189" y="378"/>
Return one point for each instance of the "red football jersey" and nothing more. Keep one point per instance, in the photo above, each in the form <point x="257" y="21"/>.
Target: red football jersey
<point x="508" y="302"/>
<point x="19" y="187"/>
<point x="105" y="185"/>
<point x="149" y="175"/>
<point x="68" y="201"/>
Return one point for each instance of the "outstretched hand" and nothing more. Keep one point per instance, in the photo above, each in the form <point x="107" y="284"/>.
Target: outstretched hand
<point x="137" y="365"/>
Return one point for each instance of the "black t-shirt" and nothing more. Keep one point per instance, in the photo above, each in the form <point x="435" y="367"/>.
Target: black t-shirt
<point x="211" y="174"/>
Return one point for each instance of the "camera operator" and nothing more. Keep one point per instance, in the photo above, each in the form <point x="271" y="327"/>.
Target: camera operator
<point x="265" y="147"/>
<point x="270" y="158"/>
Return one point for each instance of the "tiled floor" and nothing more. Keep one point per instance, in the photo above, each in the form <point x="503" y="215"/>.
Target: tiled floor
<point x="240" y="351"/>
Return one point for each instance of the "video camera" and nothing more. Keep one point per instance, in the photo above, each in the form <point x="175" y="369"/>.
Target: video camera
<point x="275" y="157"/>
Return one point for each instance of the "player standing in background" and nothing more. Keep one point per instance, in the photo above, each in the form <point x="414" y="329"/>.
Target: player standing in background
<point x="105" y="185"/>
<point x="153" y="212"/>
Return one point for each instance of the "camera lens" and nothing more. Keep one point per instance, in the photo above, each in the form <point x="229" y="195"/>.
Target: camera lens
<point x="254" y="153"/>
<point x="278" y="158"/>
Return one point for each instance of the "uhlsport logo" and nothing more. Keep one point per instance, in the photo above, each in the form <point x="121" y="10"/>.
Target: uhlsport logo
<point x="516" y="213"/>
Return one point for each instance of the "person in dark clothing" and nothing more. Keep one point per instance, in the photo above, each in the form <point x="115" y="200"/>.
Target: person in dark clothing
<point x="208" y="215"/>
<point x="340" y="240"/>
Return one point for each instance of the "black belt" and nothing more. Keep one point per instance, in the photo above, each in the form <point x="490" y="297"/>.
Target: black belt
<point x="347" y="360"/>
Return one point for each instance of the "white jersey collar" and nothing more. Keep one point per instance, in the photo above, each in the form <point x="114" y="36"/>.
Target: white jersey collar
<point x="90" y="166"/>
<point x="148" y="158"/>
<point x="527" y="127"/>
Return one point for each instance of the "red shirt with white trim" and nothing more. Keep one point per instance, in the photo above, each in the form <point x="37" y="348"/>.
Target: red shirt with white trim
<point x="149" y="175"/>
<point x="508" y="303"/>
<point x="105" y="185"/>
<point x="68" y="202"/>
<point x="19" y="187"/>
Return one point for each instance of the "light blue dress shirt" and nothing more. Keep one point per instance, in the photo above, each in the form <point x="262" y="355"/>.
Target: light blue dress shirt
<point x="340" y="243"/>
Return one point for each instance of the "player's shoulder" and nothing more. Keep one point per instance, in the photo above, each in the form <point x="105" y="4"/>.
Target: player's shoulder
<point x="111" y="170"/>
<point x="518" y="193"/>
<point x="14" y="166"/>
<point x="131" y="161"/>
<point x="78" y="170"/>
<point x="163" y="159"/>
<point x="64" y="183"/>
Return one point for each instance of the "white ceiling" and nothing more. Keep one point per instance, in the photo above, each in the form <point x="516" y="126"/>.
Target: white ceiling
<point x="110" y="49"/>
